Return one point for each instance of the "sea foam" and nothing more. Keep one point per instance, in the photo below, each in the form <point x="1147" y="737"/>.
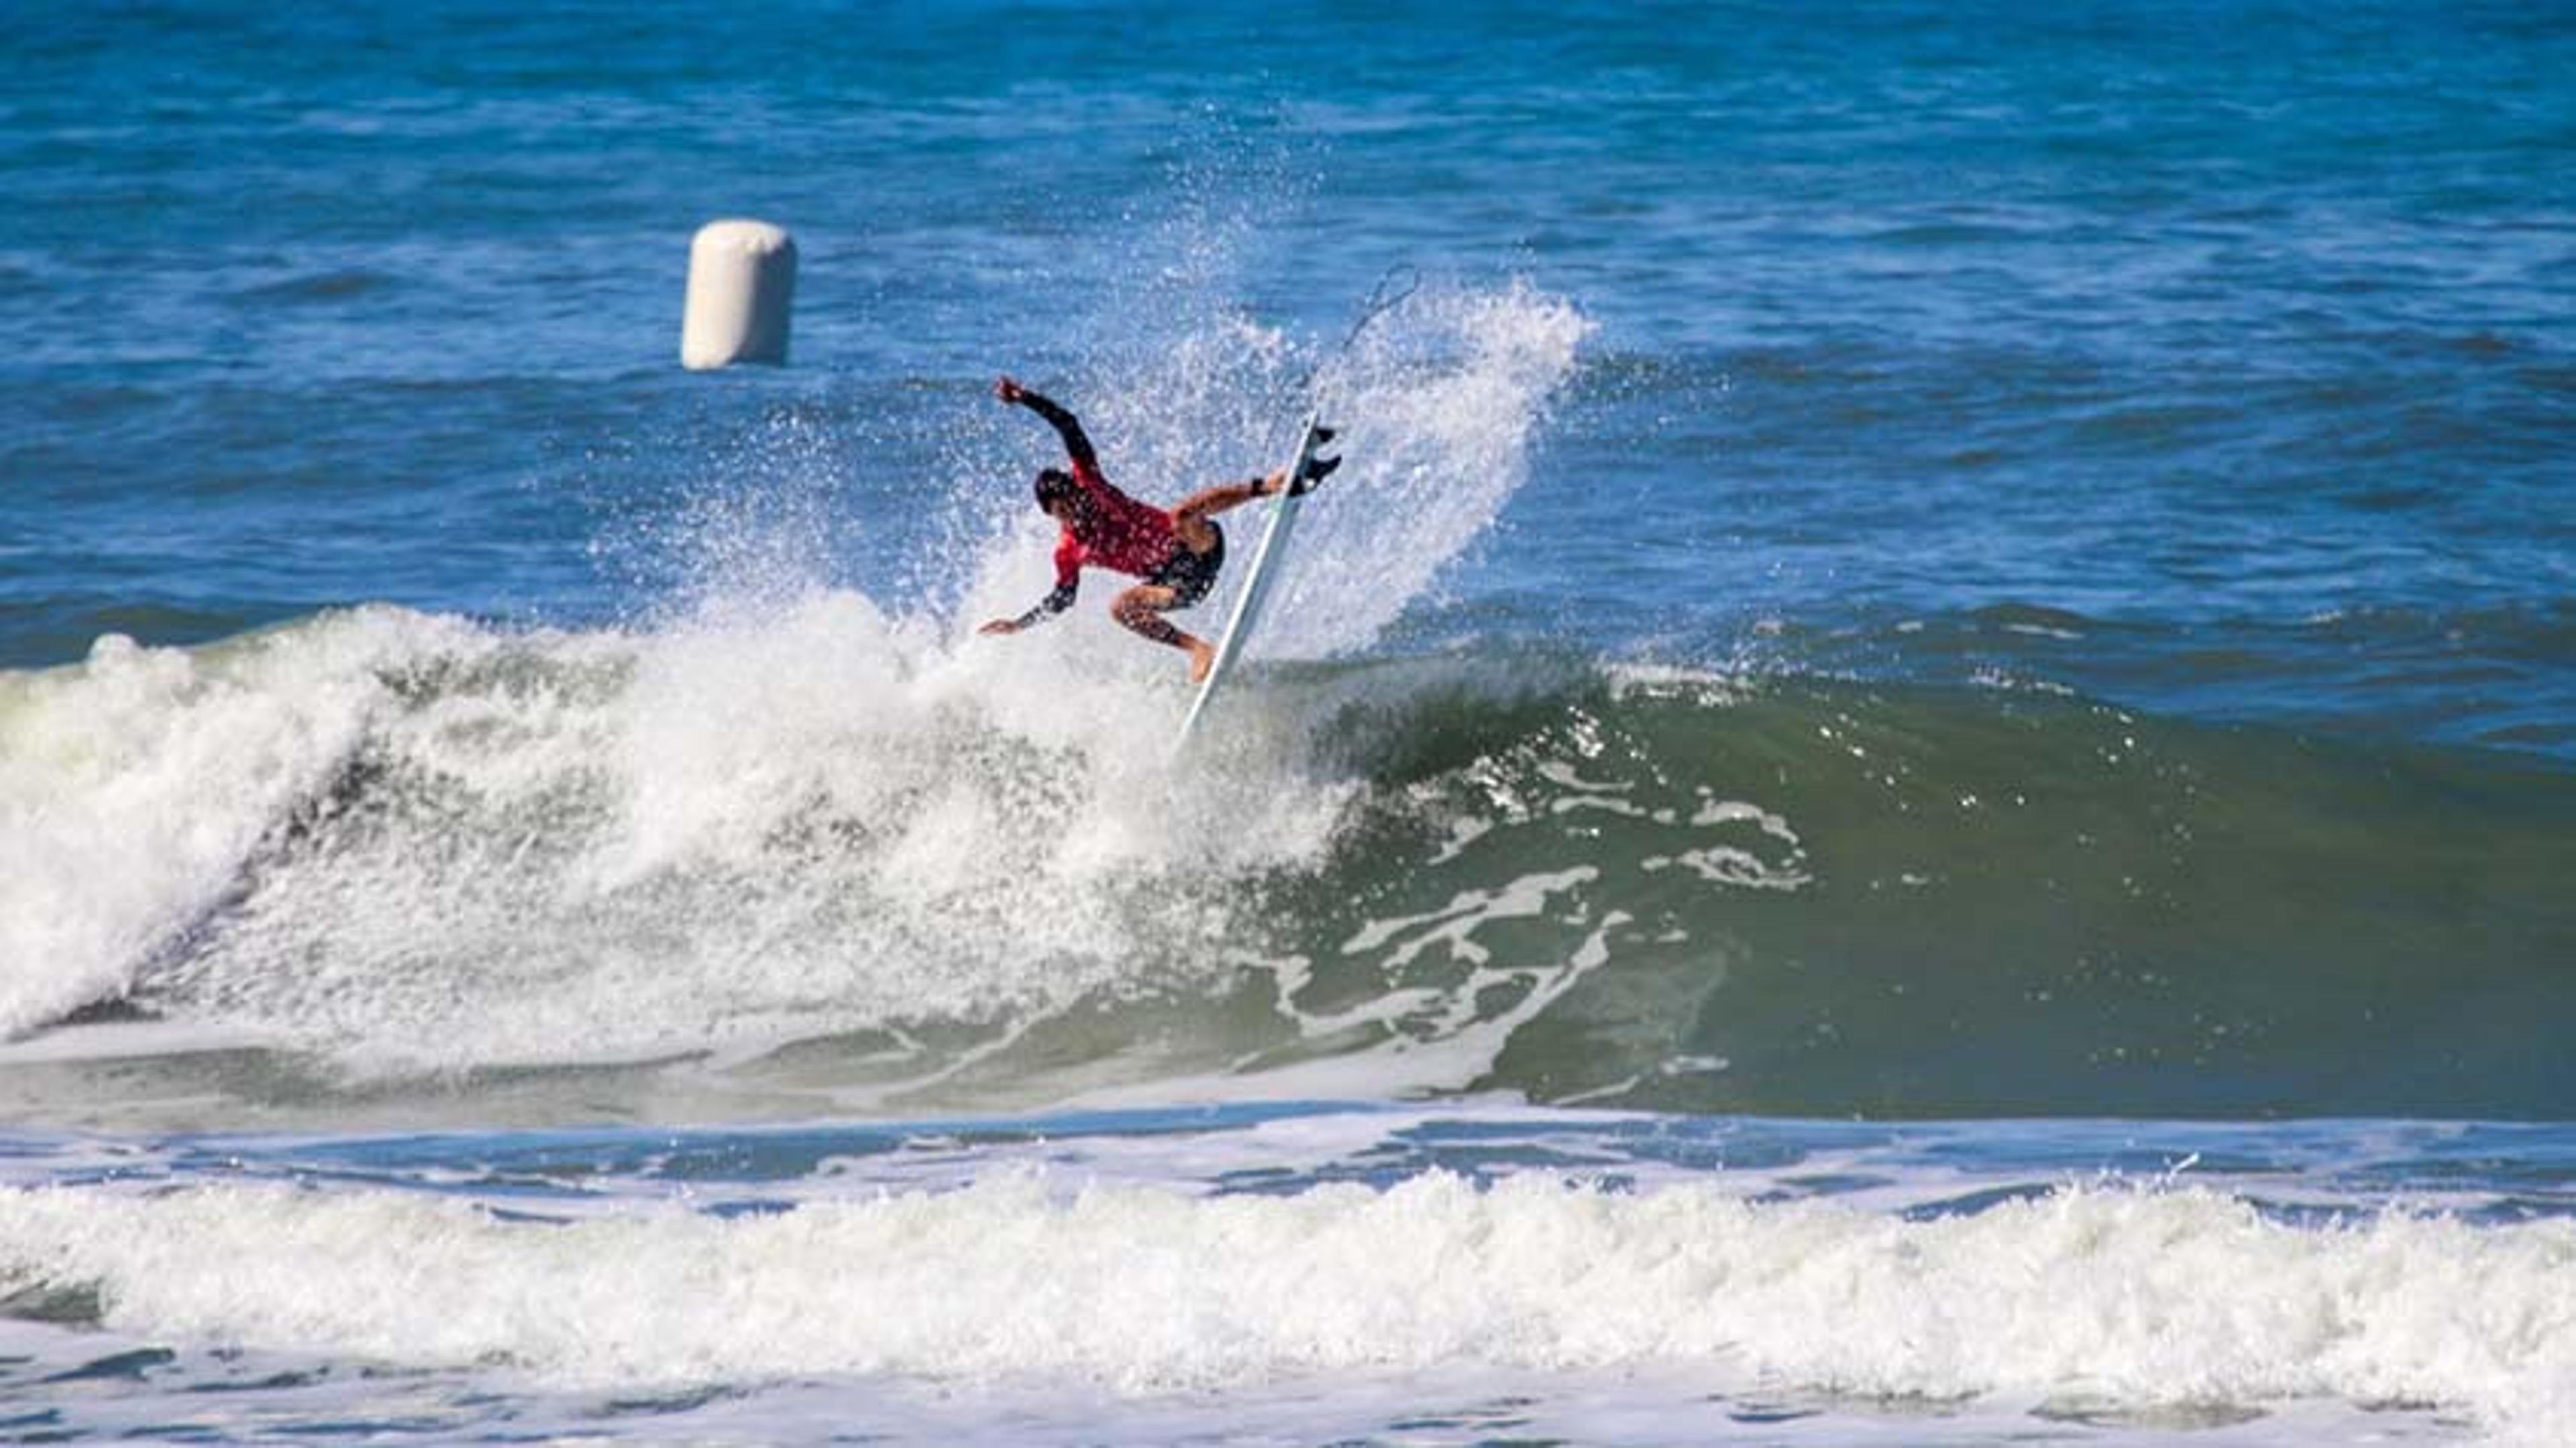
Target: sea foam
<point x="774" y="810"/>
<point x="2132" y="1296"/>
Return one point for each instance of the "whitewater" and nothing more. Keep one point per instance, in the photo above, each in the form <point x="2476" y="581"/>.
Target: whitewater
<point x="409" y="842"/>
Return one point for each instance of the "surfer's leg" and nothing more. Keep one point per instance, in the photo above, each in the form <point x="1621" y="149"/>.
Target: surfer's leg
<point x="1190" y="519"/>
<point x="1140" y="609"/>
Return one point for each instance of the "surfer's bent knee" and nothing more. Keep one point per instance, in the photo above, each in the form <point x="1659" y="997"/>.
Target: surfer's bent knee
<point x="1145" y="615"/>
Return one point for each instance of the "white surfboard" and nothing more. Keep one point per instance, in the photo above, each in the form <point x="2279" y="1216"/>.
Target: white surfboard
<point x="1258" y="579"/>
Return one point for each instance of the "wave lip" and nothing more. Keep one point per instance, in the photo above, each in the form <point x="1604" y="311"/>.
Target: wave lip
<point x="136" y="786"/>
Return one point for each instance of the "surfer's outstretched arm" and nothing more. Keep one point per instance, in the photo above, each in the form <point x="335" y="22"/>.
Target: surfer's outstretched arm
<point x="1048" y="607"/>
<point x="1076" y="445"/>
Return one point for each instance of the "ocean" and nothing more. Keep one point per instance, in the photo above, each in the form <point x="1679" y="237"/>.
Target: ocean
<point x="1917" y="786"/>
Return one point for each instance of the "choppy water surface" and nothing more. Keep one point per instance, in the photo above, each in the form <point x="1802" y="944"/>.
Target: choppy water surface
<point x="1914" y="788"/>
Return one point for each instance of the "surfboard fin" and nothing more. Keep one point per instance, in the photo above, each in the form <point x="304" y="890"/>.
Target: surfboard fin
<point x="1316" y="470"/>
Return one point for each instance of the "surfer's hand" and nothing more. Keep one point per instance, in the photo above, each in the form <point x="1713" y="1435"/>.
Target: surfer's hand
<point x="1001" y="626"/>
<point x="1009" y="390"/>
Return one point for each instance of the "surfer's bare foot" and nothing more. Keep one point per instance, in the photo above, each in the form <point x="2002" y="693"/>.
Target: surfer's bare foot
<point x="1202" y="659"/>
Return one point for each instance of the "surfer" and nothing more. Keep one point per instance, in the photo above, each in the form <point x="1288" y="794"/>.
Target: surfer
<point x="1177" y="553"/>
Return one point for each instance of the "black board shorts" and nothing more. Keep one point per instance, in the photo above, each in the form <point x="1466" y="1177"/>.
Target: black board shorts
<point x="1190" y="575"/>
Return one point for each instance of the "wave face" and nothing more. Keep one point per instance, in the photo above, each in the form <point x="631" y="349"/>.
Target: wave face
<point x="819" y="857"/>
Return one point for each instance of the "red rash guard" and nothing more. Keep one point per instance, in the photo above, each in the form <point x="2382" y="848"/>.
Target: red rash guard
<point x="1114" y="531"/>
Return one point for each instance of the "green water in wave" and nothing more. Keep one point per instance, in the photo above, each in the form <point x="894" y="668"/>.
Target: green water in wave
<point x="1823" y="899"/>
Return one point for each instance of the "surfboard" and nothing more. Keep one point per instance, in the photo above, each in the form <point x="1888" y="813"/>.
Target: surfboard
<point x="1258" y="579"/>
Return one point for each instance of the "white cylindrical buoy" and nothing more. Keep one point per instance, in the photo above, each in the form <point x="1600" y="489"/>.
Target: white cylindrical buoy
<point x="742" y="276"/>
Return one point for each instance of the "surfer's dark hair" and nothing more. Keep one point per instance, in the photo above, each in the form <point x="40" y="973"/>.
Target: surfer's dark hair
<point x="1055" y="483"/>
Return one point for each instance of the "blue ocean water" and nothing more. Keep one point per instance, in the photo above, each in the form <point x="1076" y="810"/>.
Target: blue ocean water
<point x="1914" y="788"/>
